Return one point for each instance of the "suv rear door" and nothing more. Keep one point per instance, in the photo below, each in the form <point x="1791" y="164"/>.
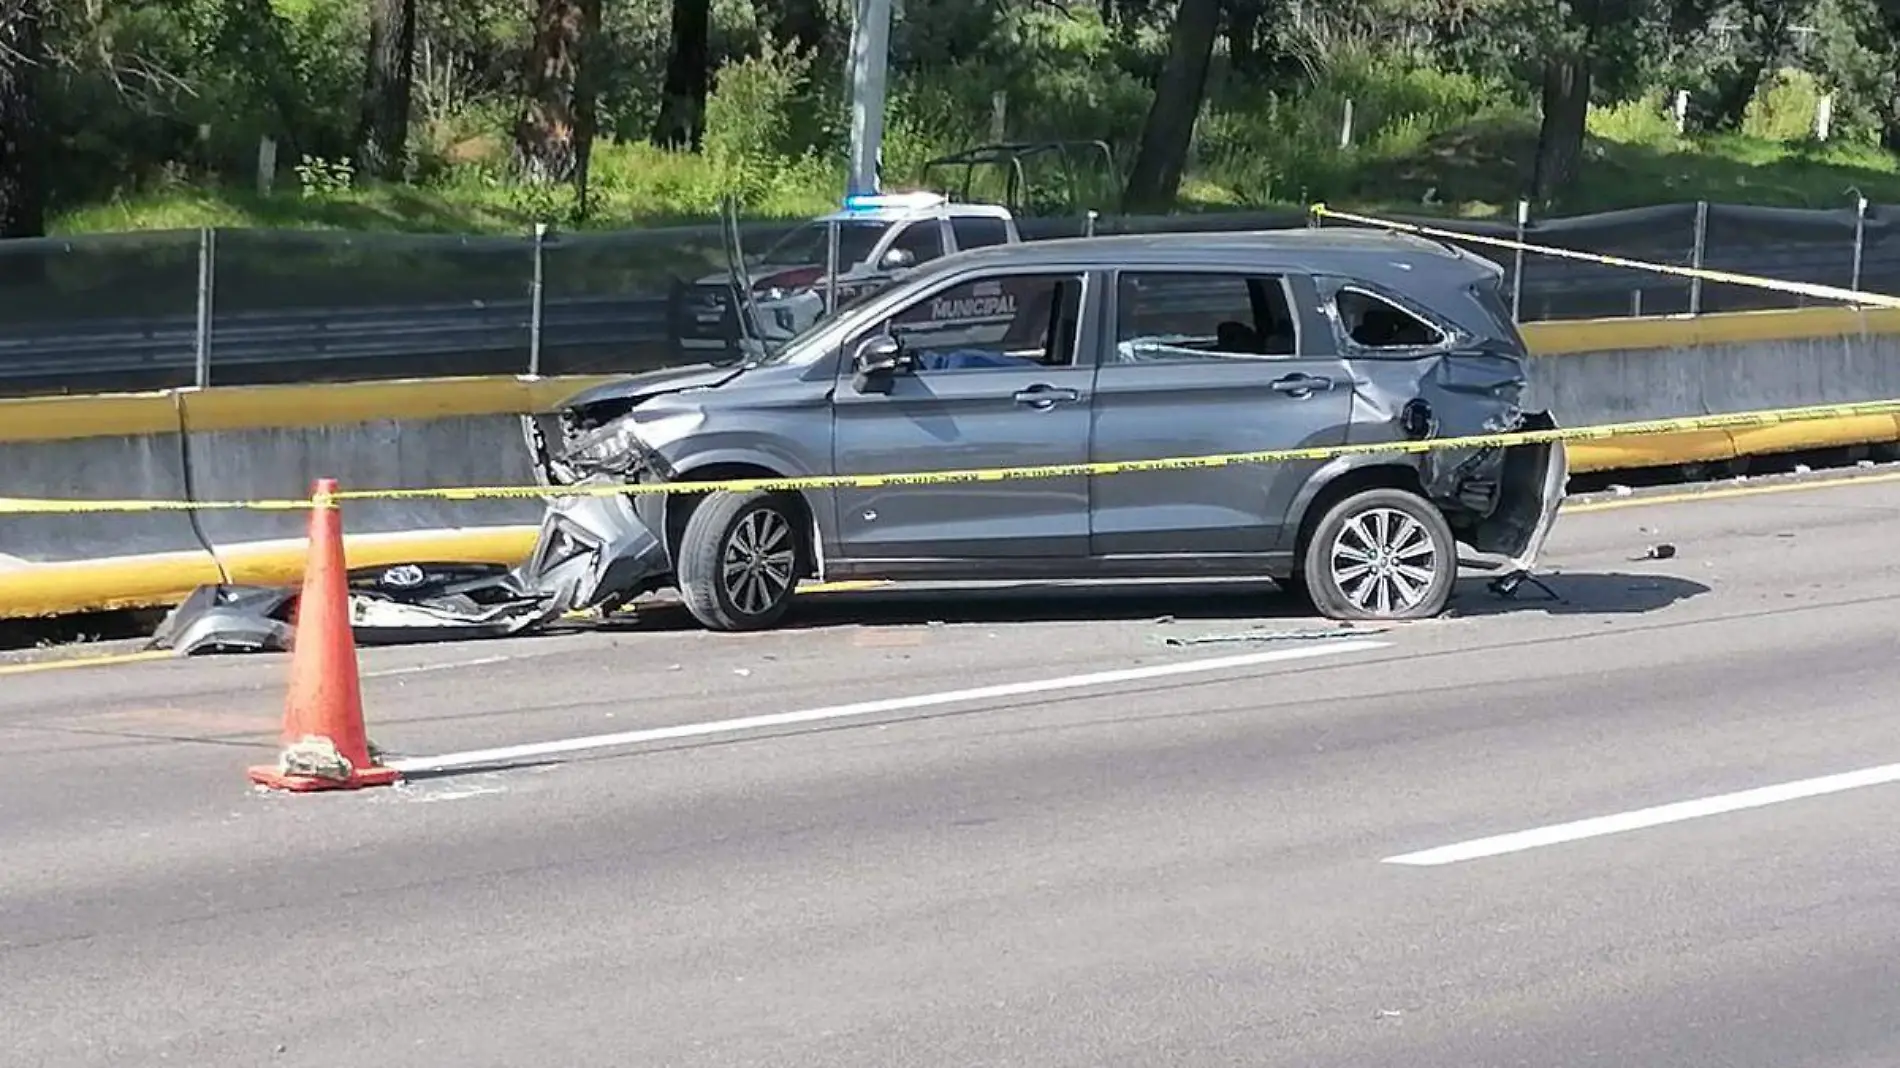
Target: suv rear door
<point x="1205" y="361"/>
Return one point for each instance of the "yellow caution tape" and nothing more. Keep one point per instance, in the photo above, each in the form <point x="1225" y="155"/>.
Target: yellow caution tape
<point x="1812" y="289"/>
<point x="1733" y="421"/>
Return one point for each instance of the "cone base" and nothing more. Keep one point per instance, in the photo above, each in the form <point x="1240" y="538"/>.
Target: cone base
<point x="269" y="775"/>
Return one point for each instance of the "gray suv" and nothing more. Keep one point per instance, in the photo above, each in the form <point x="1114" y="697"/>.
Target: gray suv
<point x="1072" y="351"/>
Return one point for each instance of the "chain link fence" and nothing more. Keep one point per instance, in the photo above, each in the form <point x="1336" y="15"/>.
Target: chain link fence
<point x="158" y="310"/>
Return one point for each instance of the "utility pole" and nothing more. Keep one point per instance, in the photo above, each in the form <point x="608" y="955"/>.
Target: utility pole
<point x="870" y="54"/>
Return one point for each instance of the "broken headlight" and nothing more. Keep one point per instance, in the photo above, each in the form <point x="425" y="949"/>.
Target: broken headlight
<point x="612" y="449"/>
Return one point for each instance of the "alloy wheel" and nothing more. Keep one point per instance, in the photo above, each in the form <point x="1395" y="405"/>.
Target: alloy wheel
<point x="757" y="566"/>
<point x="1383" y="561"/>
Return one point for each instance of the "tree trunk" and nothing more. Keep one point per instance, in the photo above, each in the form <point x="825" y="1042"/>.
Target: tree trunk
<point x="1764" y="38"/>
<point x="1161" y="159"/>
<point x="22" y="141"/>
<point x="682" y="118"/>
<point x="382" y="135"/>
<point x="1243" y="36"/>
<point x="557" y="125"/>
<point x="802" y="22"/>
<point x="1566" y="101"/>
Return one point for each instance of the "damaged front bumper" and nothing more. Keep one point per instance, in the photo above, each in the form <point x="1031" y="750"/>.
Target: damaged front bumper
<point x="592" y="552"/>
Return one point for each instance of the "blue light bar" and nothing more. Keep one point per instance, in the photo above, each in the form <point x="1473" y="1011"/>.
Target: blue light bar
<point x="878" y="201"/>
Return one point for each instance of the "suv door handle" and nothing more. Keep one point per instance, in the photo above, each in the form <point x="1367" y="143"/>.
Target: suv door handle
<point x="1301" y="384"/>
<point x="1044" y="397"/>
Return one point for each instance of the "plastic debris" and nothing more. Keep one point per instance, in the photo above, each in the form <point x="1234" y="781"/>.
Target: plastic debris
<point x="1269" y="636"/>
<point x="1662" y="550"/>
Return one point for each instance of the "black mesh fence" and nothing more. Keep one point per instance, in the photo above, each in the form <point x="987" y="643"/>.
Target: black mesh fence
<point x="115" y="312"/>
<point x="327" y="307"/>
<point x="119" y="312"/>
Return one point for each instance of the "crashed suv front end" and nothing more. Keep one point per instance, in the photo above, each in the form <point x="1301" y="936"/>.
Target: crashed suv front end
<point x="603" y="541"/>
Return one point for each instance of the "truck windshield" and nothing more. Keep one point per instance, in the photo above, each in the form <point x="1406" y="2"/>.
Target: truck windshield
<point x="805" y="246"/>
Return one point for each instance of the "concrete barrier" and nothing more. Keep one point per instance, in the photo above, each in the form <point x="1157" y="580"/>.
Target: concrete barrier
<point x="121" y="446"/>
<point x="1609" y="371"/>
<point x="271" y="441"/>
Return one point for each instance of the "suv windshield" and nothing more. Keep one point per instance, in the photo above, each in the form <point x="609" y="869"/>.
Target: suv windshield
<point x="805" y="246"/>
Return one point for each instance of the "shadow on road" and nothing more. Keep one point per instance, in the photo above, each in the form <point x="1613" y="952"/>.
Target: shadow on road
<point x="1577" y="593"/>
<point x="1016" y="603"/>
<point x="1207" y="602"/>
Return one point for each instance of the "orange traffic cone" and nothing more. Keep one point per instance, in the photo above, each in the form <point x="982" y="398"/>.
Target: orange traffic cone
<point x="325" y="744"/>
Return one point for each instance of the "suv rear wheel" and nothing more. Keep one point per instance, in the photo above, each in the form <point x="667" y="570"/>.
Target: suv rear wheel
<point x="1381" y="554"/>
<point x="739" y="560"/>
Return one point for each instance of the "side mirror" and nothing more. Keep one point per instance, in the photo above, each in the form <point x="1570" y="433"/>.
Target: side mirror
<point x="875" y="360"/>
<point x="897" y="259"/>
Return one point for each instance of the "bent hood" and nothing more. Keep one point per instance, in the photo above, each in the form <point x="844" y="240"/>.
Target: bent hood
<point x="637" y="388"/>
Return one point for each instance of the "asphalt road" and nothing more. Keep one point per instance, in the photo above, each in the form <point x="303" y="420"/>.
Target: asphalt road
<point x="1178" y="869"/>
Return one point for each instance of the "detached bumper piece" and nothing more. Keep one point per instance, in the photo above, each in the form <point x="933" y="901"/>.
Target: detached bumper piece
<point x="592" y="552"/>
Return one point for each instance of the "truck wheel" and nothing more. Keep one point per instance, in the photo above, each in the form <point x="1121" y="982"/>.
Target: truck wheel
<point x="739" y="560"/>
<point x="1381" y="554"/>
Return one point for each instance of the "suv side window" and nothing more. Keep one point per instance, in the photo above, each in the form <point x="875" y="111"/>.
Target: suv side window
<point x="1198" y="315"/>
<point x="1008" y="321"/>
<point x="922" y="239"/>
<point x="979" y="231"/>
<point x="1372" y="322"/>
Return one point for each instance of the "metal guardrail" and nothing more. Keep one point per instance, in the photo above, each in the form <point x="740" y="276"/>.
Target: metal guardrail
<point x="628" y="330"/>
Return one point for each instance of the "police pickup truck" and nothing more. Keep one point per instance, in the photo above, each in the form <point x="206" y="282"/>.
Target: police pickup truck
<point x="880" y="239"/>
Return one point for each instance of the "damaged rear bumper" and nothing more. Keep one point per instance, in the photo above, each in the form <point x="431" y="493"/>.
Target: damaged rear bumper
<point x="1503" y="501"/>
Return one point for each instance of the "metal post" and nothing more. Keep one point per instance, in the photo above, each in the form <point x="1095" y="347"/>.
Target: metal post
<point x="1088" y="222"/>
<point x="1517" y="266"/>
<point x="1636" y="304"/>
<point x="870" y="52"/>
<point x="1860" y="237"/>
<point x="1695" y="256"/>
<point x="206" y="258"/>
<point x="535" y="301"/>
<point x="831" y="267"/>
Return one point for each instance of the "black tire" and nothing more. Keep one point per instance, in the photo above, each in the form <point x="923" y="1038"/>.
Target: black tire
<point x="718" y="533"/>
<point x="1353" y="523"/>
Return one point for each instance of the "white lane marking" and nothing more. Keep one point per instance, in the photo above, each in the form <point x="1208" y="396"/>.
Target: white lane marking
<point x="1557" y="834"/>
<point x="867" y="708"/>
<point x="419" y="668"/>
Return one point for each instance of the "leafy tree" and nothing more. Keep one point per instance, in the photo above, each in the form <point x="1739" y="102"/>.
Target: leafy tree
<point x="389" y="77"/>
<point x="1570" y="53"/>
<point x="556" y="129"/>
<point x="1875" y="25"/>
<point x="1723" y="81"/>
<point x="682" y="120"/>
<point x="1161" y="160"/>
<point x="23" y="59"/>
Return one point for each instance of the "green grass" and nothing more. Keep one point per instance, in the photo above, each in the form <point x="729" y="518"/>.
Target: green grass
<point x="1426" y="143"/>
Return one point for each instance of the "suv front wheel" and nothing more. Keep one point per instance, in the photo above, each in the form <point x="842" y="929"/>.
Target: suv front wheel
<point x="739" y="560"/>
<point x="1381" y="554"/>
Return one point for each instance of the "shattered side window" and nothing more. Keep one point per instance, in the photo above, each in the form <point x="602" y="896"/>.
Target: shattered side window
<point x="1373" y="322"/>
<point x="1200" y="315"/>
